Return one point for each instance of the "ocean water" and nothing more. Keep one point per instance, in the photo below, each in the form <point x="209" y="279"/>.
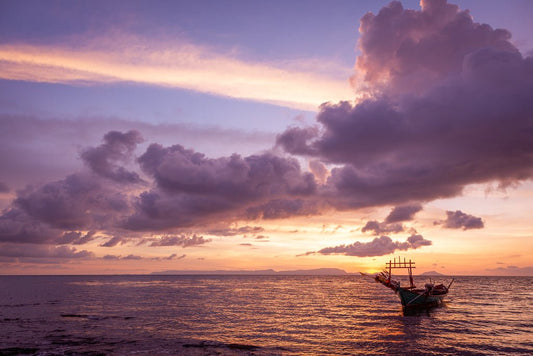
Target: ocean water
<point x="257" y="315"/>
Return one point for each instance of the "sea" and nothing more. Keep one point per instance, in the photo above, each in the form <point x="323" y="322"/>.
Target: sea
<point x="258" y="315"/>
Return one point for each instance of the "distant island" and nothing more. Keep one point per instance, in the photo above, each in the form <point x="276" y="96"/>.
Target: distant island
<point x="265" y="272"/>
<point x="431" y="273"/>
<point x="271" y="272"/>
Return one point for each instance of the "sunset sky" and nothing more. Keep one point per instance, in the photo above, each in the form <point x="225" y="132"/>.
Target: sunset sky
<point x="141" y="136"/>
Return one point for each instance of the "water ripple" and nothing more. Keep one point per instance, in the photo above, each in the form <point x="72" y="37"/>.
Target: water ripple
<point x="260" y="315"/>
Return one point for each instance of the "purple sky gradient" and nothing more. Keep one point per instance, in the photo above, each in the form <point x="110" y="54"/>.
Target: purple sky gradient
<point x="106" y="169"/>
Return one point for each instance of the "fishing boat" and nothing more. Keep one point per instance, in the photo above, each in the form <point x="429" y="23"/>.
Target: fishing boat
<point x="411" y="296"/>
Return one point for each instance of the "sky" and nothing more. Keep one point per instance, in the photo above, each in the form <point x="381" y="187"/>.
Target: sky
<point x="145" y="136"/>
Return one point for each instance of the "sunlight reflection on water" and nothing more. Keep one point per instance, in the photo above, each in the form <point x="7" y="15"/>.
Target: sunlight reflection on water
<point x="267" y="314"/>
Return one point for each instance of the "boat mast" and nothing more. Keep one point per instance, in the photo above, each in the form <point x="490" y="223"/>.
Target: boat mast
<point x="401" y="264"/>
<point x="410" y="273"/>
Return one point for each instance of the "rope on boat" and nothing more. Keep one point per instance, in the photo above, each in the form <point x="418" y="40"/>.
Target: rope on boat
<point x="412" y="300"/>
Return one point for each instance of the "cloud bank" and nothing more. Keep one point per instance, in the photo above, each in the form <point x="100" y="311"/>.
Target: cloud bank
<point x="182" y="194"/>
<point x="447" y="103"/>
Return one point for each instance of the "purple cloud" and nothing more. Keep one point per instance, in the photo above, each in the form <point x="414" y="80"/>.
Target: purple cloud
<point x="392" y="223"/>
<point x="76" y="202"/>
<point x="17" y="226"/>
<point x="111" y="257"/>
<point x="406" y="50"/>
<point x="176" y="257"/>
<point x="20" y="161"/>
<point x="176" y="169"/>
<point x="379" y="228"/>
<point x="114" y="241"/>
<point x="117" y="148"/>
<point x="447" y="107"/>
<point x="403" y="213"/>
<point x="58" y="211"/>
<point x="76" y="238"/>
<point x="192" y="190"/>
<point x="136" y="257"/>
<point x="416" y="241"/>
<point x="243" y="230"/>
<point x="131" y="257"/>
<point x="379" y="246"/>
<point x="283" y="208"/>
<point x="179" y="240"/>
<point x="459" y="220"/>
<point x="42" y="251"/>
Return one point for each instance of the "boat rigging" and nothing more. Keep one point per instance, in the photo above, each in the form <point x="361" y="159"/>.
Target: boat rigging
<point x="411" y="296"/>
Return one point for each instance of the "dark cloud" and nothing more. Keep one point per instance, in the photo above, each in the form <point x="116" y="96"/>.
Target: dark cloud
<point x="403" y="213"/>
<point x="17" y="226"/>
<point x="76" y="238"/>
<point x="392" y="223"/>
<point x="379" y="246"/>
<point x="47" y="139"/>
<point x="459" y="220"/>
<point x="379" y="228"/>
<point x="112" y="242"/>
<point x="117" y="148"/>
<point x="179" y="240"/>
<point x="192" y="189"/>
<point x="135" y="257"/>
<point x="306" y="254"/>
<point x="243" y="230"/>
<point x="111" y="257"/>
<point x="296" y="140"/>
<point x="76" y="202"/>
<point x="42" y="251"/>
<point x="283" y="208"/>
<point x="72" y="210"/>
<point x="131" y="257"/>
<point x="448" y="104"/>
<point x="179" y="170"/>
<point x="416" y="241"/>
<point x="175" y="257"/>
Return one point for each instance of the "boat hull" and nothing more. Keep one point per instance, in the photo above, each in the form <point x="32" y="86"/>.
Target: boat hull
<point x="418" y="299"/>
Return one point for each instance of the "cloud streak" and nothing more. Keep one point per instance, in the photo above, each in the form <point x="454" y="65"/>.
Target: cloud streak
<point x="174" y="64"/>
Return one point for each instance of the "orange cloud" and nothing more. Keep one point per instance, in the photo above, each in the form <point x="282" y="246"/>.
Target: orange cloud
<point x="130" y="59"/>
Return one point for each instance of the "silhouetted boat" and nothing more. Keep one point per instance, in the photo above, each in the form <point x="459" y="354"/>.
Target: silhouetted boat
<point x="411" y="297"/>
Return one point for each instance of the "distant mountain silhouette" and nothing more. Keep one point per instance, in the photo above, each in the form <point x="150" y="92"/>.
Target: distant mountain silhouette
<point x="431" y="273"/>
<point x="265" y="272"/>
